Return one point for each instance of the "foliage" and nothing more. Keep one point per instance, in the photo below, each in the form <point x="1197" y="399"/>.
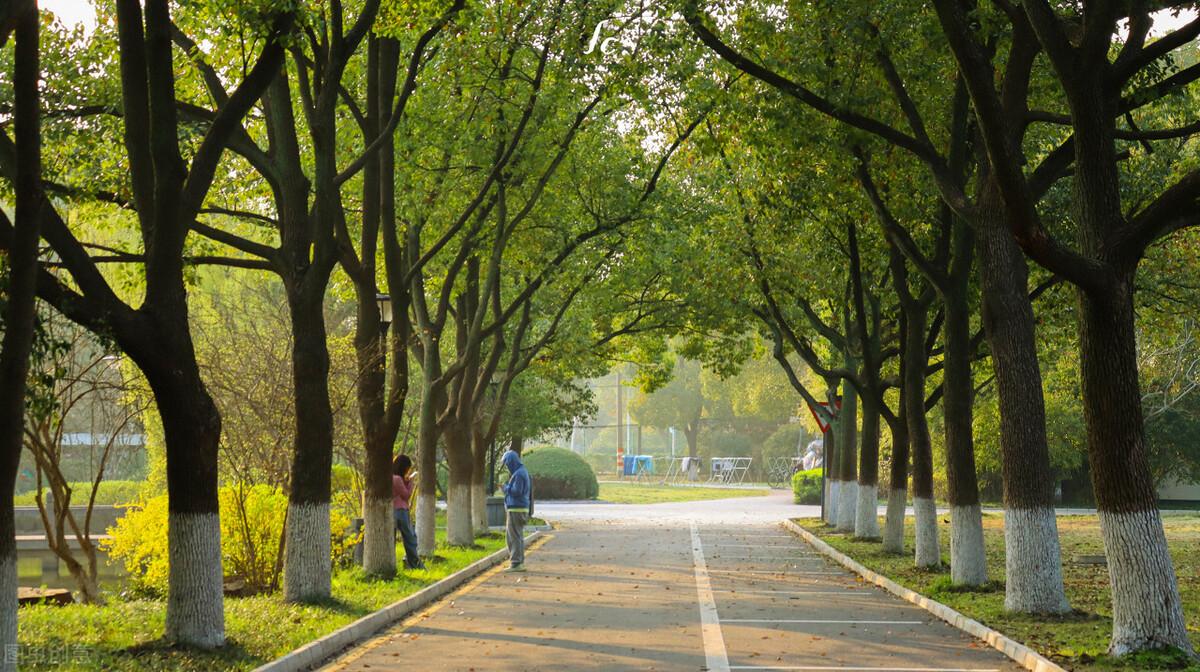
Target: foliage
<point x="806" y="486"/>
<point x="784" y="442"/>
<point x="252" y="520"/>
<point x="243" y="346"/>
<point x="109" y="493"/>
<point x="346" y="485"/>
<point x="139" y="542"/>
<point x="125" y="635"/>
<point x="560" y="474"/>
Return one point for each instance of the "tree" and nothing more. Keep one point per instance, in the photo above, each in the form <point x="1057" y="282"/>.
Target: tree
<point x="521" y="129"/>
<point x="168" y="193"/>
<point x="75" y="378"/>
<point x="1099" y="85"/>
<point x="680" y="403"/>
<point x="1033" y="578"/>
<point x="383" y="391"/>
<point x="18" y="271"/>
<point x="311" y="239"/>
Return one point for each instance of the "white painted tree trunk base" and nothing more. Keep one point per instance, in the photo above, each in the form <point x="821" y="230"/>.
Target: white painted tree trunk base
<point x="195" y="593"/>
<point x="479" y="508"/>
<point x="847" y="506"/>
<point x="968" y="561"/>
<point x="426" y="524"/>
<point x="8" y="613"/>
<point x="866" y="516"/>
<point x="831" y="504"/>
<point x="458" y="515"/>
<point x="1033" y="563"/>
<point x="893" y="525"/>
<point x="307" y="566"/>
<point x="928" y="554"/>
<point x="1147" y="610"/>
<point x="379" y="537"/>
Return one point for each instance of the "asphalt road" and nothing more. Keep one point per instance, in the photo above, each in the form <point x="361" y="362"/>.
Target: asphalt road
<point x="695" y="586"/>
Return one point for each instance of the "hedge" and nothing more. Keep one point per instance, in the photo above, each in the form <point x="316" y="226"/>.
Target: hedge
<point x="110" y="492"/>
<point x="806" y="486"/>
<point x="560" y="474"/>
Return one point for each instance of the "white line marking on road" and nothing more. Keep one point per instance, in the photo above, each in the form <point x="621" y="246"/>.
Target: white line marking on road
<point x="769" y="558"/>
<point x="866" y="669"/>
<point x="848" y="591"/>
<point x="801" y="620"/>
<point x="764" y="546"/>
<point x="771" y="572"/>
<point x="715" y="658"/>
<point x="764" y="536"/>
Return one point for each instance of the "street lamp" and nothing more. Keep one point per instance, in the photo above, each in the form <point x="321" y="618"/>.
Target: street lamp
<point x="384" y="301"/>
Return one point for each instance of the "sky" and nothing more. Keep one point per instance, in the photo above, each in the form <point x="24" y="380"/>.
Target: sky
<point x="71" y="12"/>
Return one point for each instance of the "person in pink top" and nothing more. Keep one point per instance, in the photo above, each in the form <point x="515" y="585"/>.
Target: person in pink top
<point x="402" y="487"/>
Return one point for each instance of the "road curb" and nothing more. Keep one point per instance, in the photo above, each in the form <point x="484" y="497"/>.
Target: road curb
<point x="1021" y="654"/>
<point x="320" y="650"/>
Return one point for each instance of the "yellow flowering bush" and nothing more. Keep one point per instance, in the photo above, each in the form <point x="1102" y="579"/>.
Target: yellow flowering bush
<point x="252" y="520"/>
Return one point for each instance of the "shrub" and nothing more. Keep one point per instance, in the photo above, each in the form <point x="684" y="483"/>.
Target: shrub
<point x="252" y="519"/>
<point x="139" y="542"/>
<point x="560" y="474"/>
<point x="346" y="489"/>
<point x="109" y="492"/>
<point x="806" y="486"/>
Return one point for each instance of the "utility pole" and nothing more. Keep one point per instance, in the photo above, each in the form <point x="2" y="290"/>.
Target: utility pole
<point x="620" y="427"/>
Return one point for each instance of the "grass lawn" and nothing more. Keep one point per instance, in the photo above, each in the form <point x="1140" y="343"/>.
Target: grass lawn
<point x="639" y="493"/>
<point x="1077" y="641"/>
<point x="124" y="635"/>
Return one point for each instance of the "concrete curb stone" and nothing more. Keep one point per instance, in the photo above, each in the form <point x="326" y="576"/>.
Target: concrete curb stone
<point x="319" y="650"/>
<point x="1021" y="654"/>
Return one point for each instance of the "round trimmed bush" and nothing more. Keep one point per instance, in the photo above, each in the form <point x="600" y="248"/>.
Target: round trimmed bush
<point x="806" y="486"/>
<point x="560" y="474"/>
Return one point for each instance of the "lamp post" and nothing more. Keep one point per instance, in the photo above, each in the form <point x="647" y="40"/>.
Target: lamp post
<point x="384" y="303"/>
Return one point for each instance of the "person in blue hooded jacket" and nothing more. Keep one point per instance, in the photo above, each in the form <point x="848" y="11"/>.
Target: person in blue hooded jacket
<point x="517" y="496"/>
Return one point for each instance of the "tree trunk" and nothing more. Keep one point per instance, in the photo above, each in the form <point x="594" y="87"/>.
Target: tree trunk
<point x="968" y="561"/>
<point x="8" y="576"/>
<point x="866" y="519"/>
<point x="427" y="433"/>
<point x="379" y="526"/>
<point x="307" y="565"/>
<point x="1147" y="611"/>
<point x="459" y="529"/>
<point x="192" y="428"/>
<point x="893" y="531"/>
<point x="1033" y="565"/>
<point x="829" y="465"/>
<point x="20" y="307"/>
<point x="85" y="577"/>
<point x="480" y="447"/>
<point x="848" y="479"/>
<point x="928" y="552"/>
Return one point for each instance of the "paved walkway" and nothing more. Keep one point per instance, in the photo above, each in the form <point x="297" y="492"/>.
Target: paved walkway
<point x="722" y="589"/>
